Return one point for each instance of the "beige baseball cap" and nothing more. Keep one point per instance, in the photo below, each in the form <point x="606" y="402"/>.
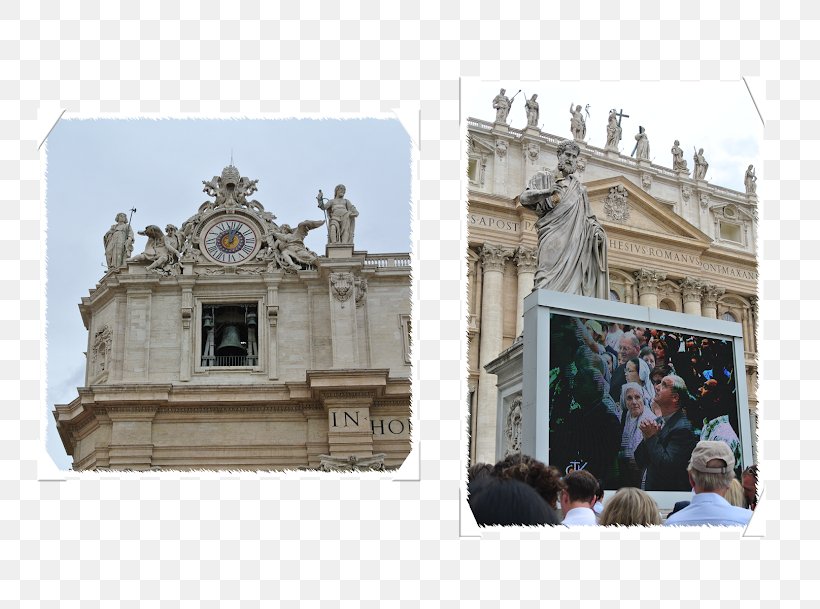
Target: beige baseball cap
<point x="708" y="450"/>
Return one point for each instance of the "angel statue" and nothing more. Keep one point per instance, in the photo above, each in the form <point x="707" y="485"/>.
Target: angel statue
<point x="288" y="245"/>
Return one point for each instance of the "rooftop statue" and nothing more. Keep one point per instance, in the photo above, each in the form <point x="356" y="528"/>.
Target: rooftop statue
<point x="577" y="124"/>
<point x="701" y="166"/>
<point x="613" y="132"/>
<point x="341" y="216"/>
<point x="750" y="181"/>
<point x="287" y="246"/>
<point x="119" y="242"/>
<point x="678" y="162"/>
<point x="531" y="108"/>
<point x="641" y="150"/>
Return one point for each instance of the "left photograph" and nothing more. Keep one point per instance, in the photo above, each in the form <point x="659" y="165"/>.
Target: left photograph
<point x="229" y="294"/>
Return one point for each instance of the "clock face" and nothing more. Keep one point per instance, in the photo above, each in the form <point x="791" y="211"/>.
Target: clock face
<point x="230" y="241"/>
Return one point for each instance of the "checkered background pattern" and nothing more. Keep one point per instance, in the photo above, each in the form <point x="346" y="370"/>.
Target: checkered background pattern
<point x="236" y="540"/>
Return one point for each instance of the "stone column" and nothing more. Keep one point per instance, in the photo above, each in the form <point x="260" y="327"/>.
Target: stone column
<point x="711" y="293"/>
<point x="493" y="258"/>
<point x="526" y="258"/>
<point x="691" y="289"/>
<point x="648" y="286"/>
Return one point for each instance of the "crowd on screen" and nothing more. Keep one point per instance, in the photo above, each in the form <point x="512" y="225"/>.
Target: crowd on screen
<point x="629" y="404"/>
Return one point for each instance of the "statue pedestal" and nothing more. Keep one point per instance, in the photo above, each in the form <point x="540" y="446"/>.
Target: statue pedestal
<point x="532" y="131"/>
<point x="613" y="154"/>
<point x="501" y="127"/>
<point x="334" y="251"/>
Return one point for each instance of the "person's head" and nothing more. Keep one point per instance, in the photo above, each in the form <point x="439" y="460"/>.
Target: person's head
<point x="595" y="330"/>
<point x="749" y="482"/>
<point x="640" y="334"/>
<point x="568" y="152"/>
<point x="659" y="349"/>
<point x="657" y="374"/>
<point x="671" y="394"/>
<point x="628" y="347"/>
<point x="505" y="501"/>
<point x="632" y="370"/>
<point x="339" y="191"/>
<point x="711" y="467"/>
<point x="632" y="399"/>
<point x="121" y="218"/>
<point x="734" y="494"/>
<point x="580" y="488"/>
<point x="648" y="356"/>
<point x="478" y="471"/>
<point x="503" y="91"/>
<point x="578" y="108"/>
<point x="700" y="151"/>
<point x="589" y="386"/>
<point x="630" y="507"/>
<point x="609" y="360"/>
<point x="677" y="143"/>
<point x="170" y="229"/>
<point x="534" y="96"/>
<point x="545" y="479"/>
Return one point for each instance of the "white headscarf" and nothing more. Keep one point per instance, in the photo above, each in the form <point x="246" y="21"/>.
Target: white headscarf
<point x="648" y="389"/>
<point x="632" y="435"/>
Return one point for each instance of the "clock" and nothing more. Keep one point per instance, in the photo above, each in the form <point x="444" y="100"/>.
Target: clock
<point x="230" y="240"/>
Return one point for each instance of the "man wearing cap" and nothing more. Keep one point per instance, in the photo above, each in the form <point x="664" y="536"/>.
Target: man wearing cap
<point x="667" y="441"/>
<point x="711" y="471"/>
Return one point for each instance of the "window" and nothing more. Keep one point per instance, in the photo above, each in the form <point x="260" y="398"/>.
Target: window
<point x="613" y="296"/>
<point x="730" y="232"/>
<point x="406" y="332"/>
<point x="229" y="334"/>
<point x="727" y="316"/>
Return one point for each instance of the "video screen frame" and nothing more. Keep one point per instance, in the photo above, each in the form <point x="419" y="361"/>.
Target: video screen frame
<point x="535" y="407"/>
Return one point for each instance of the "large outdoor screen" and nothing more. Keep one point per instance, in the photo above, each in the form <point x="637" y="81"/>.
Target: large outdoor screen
<point x="629" y="401"/>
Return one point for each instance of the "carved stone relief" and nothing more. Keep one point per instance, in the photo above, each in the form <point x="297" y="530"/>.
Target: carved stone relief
<point x="501" y="148"/>
<point x="512" y="427"/>
<point x="646" y="181"/>
<point x="616" y="206"/>
<point x="101" y="351"/>
<point x="341" y="285"/>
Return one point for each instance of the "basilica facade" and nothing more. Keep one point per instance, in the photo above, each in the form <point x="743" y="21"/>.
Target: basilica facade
<point x="227" y="344"/>
<point x="675" y="242"/>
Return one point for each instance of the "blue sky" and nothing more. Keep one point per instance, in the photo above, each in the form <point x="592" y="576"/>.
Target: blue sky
<point x="718" y="116"/>
<point x="97" y="168"/>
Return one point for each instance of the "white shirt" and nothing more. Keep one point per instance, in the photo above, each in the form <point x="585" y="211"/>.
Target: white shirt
<point x="710" y="509"/>
<point x="580" y="516"/>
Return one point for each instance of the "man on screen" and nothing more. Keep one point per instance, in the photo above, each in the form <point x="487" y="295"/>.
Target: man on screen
<point x="668" y="441"/>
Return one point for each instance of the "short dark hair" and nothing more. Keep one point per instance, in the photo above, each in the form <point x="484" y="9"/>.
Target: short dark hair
<point x="581" y="485"/>
<point x="546" y="479"/>
<point x="505" y="501"/>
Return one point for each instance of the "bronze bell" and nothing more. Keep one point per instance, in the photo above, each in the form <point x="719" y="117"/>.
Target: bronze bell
<point x="231" y="343"/>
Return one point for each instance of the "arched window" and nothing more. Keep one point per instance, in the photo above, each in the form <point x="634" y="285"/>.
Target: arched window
<point x="727" y="316"/>
<point x="613" y="295"/>
<point x="667" y="305"/>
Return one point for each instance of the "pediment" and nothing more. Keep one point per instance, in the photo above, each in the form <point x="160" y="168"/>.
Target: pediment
<point x="639" y="214"/>
<point x="479" y="145"/>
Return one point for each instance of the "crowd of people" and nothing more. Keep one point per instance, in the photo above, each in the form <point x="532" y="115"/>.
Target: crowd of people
<point x="629" y="404"/>
<point x="521" y="490"/>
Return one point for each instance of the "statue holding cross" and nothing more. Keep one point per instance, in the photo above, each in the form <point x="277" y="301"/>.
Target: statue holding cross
<point x="613" y="129"/>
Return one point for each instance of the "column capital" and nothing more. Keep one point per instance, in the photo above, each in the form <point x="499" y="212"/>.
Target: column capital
<point x="711" y="294"/>
<point x="692" y="289"/>
<point x="526" y="258"/>
<point x="493" y="257"/>
<point x="648" y="280"/>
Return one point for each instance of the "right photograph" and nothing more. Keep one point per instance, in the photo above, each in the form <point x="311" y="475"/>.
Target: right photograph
<point x="612" y="302"/>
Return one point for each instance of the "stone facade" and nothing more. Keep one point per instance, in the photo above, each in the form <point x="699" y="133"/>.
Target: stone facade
<point x="674" y="243"/>
<point x="252" y="365"/>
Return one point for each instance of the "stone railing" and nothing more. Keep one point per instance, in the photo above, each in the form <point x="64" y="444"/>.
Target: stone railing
<point x="385" y="261"/>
